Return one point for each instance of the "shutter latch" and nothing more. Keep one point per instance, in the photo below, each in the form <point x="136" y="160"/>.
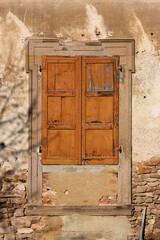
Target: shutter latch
<point x="120" y="68"/>
<point x="40" y="149"/>
<point x="119" y="149"/>
<point x="40" y="68"/>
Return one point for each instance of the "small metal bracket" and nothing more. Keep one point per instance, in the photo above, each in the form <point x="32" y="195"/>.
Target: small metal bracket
<point x="119" y="148"/>
<point x="84" y="162"/>
<point x="40" y="149"/>
<point x="40" y="68"/>
<point x="120" y="68"/>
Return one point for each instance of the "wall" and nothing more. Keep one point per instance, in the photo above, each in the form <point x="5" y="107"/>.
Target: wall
<point x="79" y="20"/>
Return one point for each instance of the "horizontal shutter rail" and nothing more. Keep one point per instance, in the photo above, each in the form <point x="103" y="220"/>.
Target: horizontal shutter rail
<point x="60" y="94"/>
<point x="62" y="126"/>
<point x="98" y="94"/>
<point x="93" y="126"/>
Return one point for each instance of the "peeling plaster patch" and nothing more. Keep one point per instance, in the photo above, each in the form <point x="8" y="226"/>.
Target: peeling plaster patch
<point x="24" y="30"/>
<point x="93" y="29"/>
<point x="146" y="97"/>
<point x="145" y="45"/>
<point x="95" y="24"/>
<point x="20" y="24"/>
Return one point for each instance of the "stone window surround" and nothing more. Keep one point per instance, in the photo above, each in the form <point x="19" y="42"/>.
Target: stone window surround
<point x="35" y="48"/>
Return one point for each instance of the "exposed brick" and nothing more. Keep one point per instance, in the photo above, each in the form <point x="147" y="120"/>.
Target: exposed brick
<point x="113" y="181"/>
<point x="144" y="170"/>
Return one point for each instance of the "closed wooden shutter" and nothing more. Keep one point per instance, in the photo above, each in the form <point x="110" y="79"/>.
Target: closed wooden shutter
<point x="100" y="110"/>
<point x="61" y="110"/>
<point x="70" y="136"/>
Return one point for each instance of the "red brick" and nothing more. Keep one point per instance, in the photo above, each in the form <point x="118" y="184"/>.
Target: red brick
<point x="113" y="181"/>
<point x="144" y="170"/>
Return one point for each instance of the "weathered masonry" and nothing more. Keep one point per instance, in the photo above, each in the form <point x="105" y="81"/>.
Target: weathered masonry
<point x="82" y="103"/>
<point x="79" y="82"/>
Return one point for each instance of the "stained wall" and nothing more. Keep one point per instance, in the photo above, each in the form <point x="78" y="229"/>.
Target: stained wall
<point x="77" y="21"/>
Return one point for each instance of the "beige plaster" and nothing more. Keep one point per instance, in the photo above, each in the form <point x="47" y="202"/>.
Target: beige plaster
<point x="82" y="227"/>
<point x="78" y="189"/>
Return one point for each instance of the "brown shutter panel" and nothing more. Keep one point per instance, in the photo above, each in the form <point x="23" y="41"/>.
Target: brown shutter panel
<point x="61" y="110"/>
<point x="100" y="110"/>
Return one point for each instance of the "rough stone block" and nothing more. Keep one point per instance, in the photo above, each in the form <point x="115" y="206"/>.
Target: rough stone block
<point x="25" y="230"/>
<point x="19" y="212"/>
<point x="10" y="237"/>
<point x="154" y="211"/>
<point x="38" y="226"/>
<point x="21" y="222"/>
<point x="155" y="161"/>
<point x="140" y="189"/>
<point x="153" y="184"/>
<point x="149" y="200"/>
<point x="9" y="229"/>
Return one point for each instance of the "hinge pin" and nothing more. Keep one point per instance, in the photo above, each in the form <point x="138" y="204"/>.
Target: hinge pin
<point x="120" y="68"/>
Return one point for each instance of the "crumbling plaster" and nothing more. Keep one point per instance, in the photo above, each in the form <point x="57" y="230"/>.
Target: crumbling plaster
<point x="82" y="21"/>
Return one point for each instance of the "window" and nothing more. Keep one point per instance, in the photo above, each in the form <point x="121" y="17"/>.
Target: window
<point x="56" y="50"/>
<point x="80" y="110"/>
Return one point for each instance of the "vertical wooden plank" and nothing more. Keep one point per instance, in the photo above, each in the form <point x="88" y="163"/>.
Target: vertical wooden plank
<point x="54" y="111"/>
<point x="116" y="111"/>
<point x="124" y="174"/>
<point x="84" y="89"/>
<point x="44" y="107"/>
<point x="51" y="76"/>
<point x="36" y="166"/>
<point x="68" y="109"/>
<point x="78" y="108"/>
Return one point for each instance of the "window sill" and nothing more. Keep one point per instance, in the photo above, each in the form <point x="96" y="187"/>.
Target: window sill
<point x="110" y="210"/>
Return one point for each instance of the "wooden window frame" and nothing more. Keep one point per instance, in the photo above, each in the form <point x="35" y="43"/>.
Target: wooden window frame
<point x="124" y="49"/>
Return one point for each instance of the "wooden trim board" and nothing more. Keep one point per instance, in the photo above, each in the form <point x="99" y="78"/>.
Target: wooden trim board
<point x="118" y="210"/>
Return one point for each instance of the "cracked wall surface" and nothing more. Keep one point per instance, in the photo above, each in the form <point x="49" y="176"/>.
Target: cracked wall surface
<point x="76" y="20"/>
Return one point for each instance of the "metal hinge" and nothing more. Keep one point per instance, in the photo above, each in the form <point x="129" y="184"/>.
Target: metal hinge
<point x="40" y="68"/>
<point x="40" y="149"/>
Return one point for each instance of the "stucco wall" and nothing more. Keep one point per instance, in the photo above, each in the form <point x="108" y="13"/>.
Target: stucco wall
<point x="72" y="21"/>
